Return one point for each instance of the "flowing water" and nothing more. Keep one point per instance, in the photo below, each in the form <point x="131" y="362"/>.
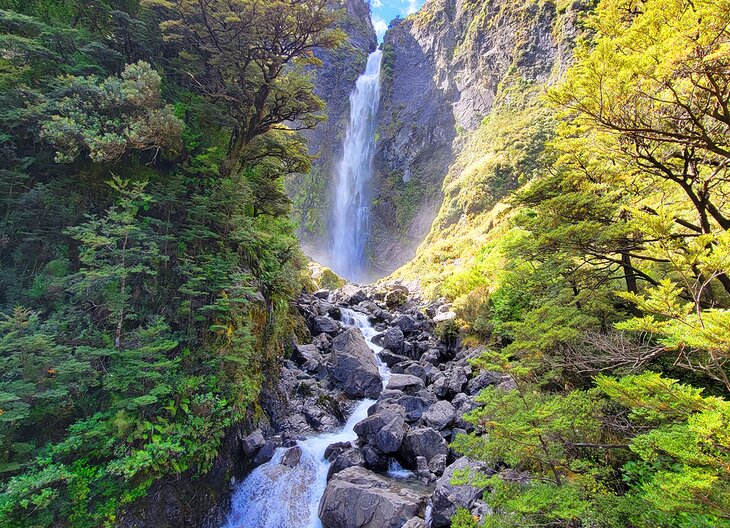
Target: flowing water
<point x="277" y="496"/>
<point x="351" y="213"/>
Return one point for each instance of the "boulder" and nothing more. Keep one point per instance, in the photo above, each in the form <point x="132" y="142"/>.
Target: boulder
<point x="406" y="383"/>
<point x="322" y="294"/>
<point x="358" y="498"/>
<point x="393" y="340"/>
<point x="416" y="522"/>
<point x="323" y="325"/>
<point x="292" y="457"/>
<point x="451" y="384"/>
<point x="444" y="316"/>
<point x="354" y="368"/>
<point x="422" y="441"/>
<point x="406" y="323"/>
<point x="349" y="458"/>
<point x="447" y="497"/>
<point x="266" y="452"/>
<point x="482" y="381"/>
<point x="349" y="294"/>
<point x="384" y="429"/>
<point x="253" y="442"/>
<point x="396" y="297"/>
<point x="440" y="415"/>
<point x="336" y="449"/>
<point x="389" y="358"/>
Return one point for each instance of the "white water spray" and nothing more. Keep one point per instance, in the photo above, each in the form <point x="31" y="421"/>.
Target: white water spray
<point x="351" y="213"/>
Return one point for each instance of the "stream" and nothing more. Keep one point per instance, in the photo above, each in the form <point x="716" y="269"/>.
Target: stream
<point x="278" y="496"/>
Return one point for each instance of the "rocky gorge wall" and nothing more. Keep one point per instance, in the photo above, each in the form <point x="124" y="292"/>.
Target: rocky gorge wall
<point x="446" y="69"/>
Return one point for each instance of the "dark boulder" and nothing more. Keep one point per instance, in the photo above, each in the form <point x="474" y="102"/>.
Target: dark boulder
<point x="393" y="340"/>
<point x="448" y="497"/>
<point x="422" y="441"/>
<point x="354" y="368"/>
<point x="406" y="383"/>
<point x="358" y="498"/>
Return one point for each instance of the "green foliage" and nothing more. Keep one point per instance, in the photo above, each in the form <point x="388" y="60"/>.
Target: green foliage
<point x="144" y="297"/>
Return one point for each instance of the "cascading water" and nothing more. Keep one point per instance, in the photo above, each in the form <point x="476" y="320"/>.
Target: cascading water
<point x="351" y="213"/>
<point x="277" y="496"/>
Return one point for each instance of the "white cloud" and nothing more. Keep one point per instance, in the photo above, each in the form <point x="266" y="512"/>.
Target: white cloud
<point x="380" y="26"/>
<point x="377" y="3"/>
<point x="412" y="7"/>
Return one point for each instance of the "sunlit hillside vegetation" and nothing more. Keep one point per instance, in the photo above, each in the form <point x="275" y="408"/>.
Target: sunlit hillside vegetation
<point x="147" y="260"/>
<point x="583" y="241"/>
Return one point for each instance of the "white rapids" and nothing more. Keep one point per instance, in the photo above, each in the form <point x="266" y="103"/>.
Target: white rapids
<point x="277" y="496"/>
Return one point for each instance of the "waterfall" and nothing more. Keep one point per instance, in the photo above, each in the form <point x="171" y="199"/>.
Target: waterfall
<point x="351" y="212"/>
<point x="276" y="496"/>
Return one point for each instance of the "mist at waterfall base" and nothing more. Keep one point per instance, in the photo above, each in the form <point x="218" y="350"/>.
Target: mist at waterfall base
<point x="351" y="212"/>
<point x="278" y="496"/>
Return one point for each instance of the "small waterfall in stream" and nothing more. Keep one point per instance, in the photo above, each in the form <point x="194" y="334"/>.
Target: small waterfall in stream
<point x="351" y="213"/>
<point x="277" y="496"/>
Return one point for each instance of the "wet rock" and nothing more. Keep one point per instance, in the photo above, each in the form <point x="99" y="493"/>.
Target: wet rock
<point x="253" y="442"/>
<point x="422" y="441"/>
<point x="393" y="340"/>
<point x="322" y="294"/>
<point x="292" y="457"/>
<point x="437" y="464"/>
<point x="447" y="497"/>
<point x="266" y="452"/>
<point x="336" y="448"/>
<point x="378" y="339"/>
<point x="354" y="369"/>
<point x="349" y="458"/>
<point x="405" y="383"/>
<point x="440" y="415"/>
<point x="323" y="325"/>
<point x="358" y="498"/>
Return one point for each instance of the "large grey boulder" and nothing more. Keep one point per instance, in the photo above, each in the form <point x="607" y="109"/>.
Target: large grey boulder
<point x="358" y="498"/>
<point x="348" y="458"/>
<point x="406" y="383"/>
<point x="422" y="441"/>
<point x="394" y="340"/>
<point x="406" y="323"/>
<point x="440" y="415"/>
<point x="323" y="325"/>
<point x="354" y="368"/>
<point x="384" y="429"/>
<point x="447" y="497"/>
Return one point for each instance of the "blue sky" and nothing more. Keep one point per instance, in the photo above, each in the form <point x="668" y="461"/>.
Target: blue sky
<point x="386" y="10"/>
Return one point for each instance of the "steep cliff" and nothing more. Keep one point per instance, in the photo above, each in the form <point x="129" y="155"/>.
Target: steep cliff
<point x="449" y="70"/>
<point x="333" y="83"/>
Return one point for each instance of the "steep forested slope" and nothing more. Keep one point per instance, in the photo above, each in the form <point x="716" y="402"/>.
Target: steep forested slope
<point x="583" y="242"/>
<point x="146" y="256"/>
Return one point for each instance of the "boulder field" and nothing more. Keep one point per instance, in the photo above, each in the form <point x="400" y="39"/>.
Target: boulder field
<point x="419" y="404"/>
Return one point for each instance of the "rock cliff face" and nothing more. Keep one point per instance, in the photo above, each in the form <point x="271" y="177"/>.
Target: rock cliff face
<point x="311" y="193"/>
<point x="444" y="70"/>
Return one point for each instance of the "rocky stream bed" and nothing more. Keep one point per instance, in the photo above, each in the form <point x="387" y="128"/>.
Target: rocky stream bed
<point x="360" y="420"/>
